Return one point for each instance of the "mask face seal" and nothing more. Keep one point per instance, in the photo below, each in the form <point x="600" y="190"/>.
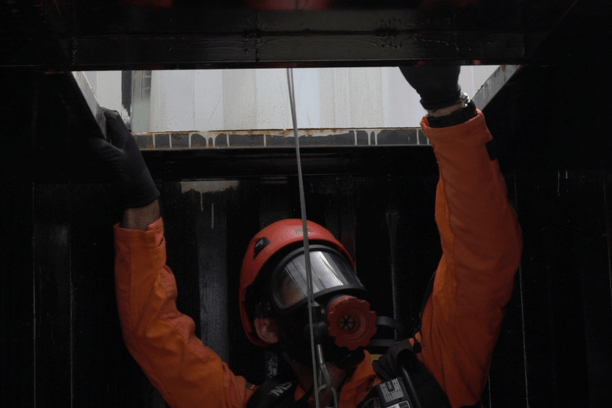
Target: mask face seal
<point x="343" y="322"/>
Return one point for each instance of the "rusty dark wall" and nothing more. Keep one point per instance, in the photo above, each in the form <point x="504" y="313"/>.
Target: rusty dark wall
<point x="560" y="153"/>
<point x="557" y="324"/>
<point x="18" y="107"/>
<point x="17" y="359"/>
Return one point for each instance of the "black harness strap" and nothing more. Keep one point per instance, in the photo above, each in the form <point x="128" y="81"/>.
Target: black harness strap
<point x="278" y="392"/>
<point x="270" y="391"/>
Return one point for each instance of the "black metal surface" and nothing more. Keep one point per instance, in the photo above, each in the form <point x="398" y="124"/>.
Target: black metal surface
<point x="53" y="296"/>
<point x="547" y="117"/>
<point x="75" y="162"/>
<point x="17" y="326"/>
<point x="73" y="35"/>
<point x="18" y="359"/>
<point x="73" y="98"/>
<point x="580" y="36"/>
<point x="545" y="123"/>
<point x="559" y="256"/>
<point x="313" y="50"/>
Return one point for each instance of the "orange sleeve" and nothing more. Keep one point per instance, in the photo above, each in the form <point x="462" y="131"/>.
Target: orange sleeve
<point x="481" y="243"/>
<point x="159" y="337"/>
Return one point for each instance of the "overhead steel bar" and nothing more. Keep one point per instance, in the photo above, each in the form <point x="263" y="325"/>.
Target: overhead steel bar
<point x="97" y="35"/>
<point x="312" y="50"/>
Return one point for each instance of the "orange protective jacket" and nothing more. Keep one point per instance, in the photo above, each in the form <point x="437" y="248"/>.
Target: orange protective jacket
<point x="481" y="242"/>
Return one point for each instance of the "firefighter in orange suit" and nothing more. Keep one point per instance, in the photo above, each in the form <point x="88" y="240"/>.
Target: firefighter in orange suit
<point x="460" y="323"/>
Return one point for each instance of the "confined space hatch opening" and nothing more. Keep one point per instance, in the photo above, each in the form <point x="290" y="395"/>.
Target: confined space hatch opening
<point x="252" y="99"/>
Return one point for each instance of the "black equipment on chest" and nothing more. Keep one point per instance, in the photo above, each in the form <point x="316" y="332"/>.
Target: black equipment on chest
<point x="390" y="394"/>
<point x="407" y="383"/>
<point x="403" y="373"/>
<point x="406" y="392"/>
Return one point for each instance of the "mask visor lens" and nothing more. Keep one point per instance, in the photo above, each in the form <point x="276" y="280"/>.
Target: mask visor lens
<point x="329" y="270"/>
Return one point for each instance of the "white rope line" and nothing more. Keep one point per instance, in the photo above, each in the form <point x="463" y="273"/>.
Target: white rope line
<point x="304" y="234"/>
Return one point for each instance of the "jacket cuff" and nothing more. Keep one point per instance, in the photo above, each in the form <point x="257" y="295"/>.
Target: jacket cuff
<point x="472" y="126"/>
<point x="152" y="237"/>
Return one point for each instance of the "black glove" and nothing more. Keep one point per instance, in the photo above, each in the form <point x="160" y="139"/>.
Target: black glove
<point x="438" y="85"/>
<point x="126" y="162"/>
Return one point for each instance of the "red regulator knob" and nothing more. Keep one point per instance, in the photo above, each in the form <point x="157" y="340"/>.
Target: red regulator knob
<point x="351" y="322"/>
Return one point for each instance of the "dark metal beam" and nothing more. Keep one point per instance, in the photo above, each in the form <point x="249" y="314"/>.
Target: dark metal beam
<point x="290" y="50"/>
<point x="248" y="163"/>
<point x="71" y="35"/>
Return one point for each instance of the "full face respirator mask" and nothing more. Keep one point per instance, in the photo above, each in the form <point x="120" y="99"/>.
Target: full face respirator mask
<point x="343" y="323"/>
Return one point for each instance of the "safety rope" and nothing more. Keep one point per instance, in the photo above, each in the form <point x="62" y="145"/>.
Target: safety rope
<point x="318" y="364"/>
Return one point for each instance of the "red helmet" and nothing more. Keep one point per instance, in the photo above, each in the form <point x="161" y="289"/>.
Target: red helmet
<point x="269" y="242"/>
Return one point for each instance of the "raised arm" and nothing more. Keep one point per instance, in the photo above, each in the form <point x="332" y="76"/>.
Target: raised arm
<point x="481" y="242"/>
<point x="158" y="336"/>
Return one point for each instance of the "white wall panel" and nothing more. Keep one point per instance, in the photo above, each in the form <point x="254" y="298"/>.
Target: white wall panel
<point x="309" y="99"/>
<point x="271" y="102"/>
<point x="239" y="101"/>
<point x="340" y="89"/>
<point x="173" y="100"/>
<point x="257" y="99"/>
<point x="208" y="102"/>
